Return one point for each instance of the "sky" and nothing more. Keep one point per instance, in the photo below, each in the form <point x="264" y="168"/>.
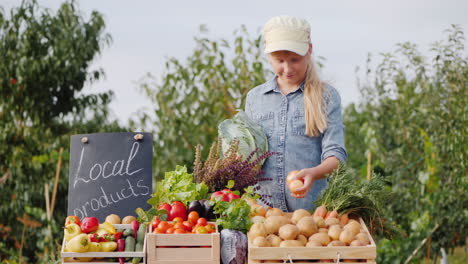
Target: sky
<point x="146" y="33"/>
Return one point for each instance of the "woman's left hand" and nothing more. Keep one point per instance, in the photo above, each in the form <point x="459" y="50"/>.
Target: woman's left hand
<point x="308" y="176"/>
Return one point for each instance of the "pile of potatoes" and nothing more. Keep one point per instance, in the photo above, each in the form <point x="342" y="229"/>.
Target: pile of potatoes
<point x="301" y="229"/>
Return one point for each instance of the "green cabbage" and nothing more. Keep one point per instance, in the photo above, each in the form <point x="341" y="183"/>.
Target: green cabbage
<point x="249" y="133"/>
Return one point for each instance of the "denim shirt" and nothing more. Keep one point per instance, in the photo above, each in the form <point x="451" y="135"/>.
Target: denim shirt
<point x="283" y="121"/>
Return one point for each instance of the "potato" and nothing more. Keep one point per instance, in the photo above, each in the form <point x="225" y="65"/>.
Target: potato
<point x="332" y="221"/>
<point x="298" y="214"/>
<point x="257" y="209"/>
<point x="257" y="229"/>
<point x="353" y="226"/>
<point x="128" y="219"/>
<point x="274" y="240"/>
<point x="113" y="219"/>
<point x="313" y="243"/>
<point x="288" y="232"/>
<point x="346" y="236"/>
<point x="323" y="230"/>
<point x="363" y="238"/>
<point x="337" y="243"/>
<point x="319" y="221"/>
<point x="274" y="211"/>
<point x="302" y="239"/>
<point x="258" y="219"/>
<point x="334" y="232"/>
<point x="307" y="226"/>
<point x="261" y="242"/>
<point x="291" y="243"/>
<point x="323" y="238"/>
<point x="356" y="243"/>
<point x="273" y="223"/>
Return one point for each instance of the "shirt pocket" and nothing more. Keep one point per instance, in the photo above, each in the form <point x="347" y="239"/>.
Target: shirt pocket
<point x="298" y="124"/>
<point x="267" y="121"/>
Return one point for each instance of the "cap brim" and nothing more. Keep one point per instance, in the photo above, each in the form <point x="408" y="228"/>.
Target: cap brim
<point x="296" y="47"/>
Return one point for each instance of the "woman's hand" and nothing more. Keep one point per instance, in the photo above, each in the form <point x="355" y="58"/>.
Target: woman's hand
<point x="308" y="176"/>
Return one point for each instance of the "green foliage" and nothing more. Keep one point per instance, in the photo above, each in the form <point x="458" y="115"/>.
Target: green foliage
<point x="178" y="185"/>
<point x="192" y="97"/>
<point x="44" y="67"/>
<point x="413" y="120"/>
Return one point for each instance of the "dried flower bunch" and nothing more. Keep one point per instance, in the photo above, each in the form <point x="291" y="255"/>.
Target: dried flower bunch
<point x="219" y="167"/>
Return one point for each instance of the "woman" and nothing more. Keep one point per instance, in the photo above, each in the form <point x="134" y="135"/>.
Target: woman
<point x="300" y="114"/>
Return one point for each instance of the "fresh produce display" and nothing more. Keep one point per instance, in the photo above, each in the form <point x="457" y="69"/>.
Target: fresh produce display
<point x="303" y="229"/>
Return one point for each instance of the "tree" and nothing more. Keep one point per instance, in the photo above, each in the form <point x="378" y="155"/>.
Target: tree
<point x="44" y="67"/>
<point x="413" y="119"/>
<point x="193" y="97"/>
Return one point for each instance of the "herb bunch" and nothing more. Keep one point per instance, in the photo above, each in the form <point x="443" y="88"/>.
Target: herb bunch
<point x="219" y="168"/>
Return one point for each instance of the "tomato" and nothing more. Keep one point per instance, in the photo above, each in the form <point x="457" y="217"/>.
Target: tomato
<point x="170" y="230"/>
<point x="188" y="225"/>
<point x="179" y="226"/>
<point x="72" y="220"/>
<point x="159" y="231"/>
<point x="193" y="216"/>
<point x="177" y="220"/>
<point x="163" y="225"/>
<point x="167" y="207"/>
<point x="177" y="203"/>
<point x="180" y="231"/>
<point x="155" y="222"/>
<point x="232" y="196"/>
<point x="202" y="221"/>
<point x="201" y="230"/>
<point x="216" y="194"/>
<point x="178" y="210"/>
<point x="210" y="228"/>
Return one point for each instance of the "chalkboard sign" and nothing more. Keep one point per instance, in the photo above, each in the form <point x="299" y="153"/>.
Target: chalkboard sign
<point x="110" y="173"/>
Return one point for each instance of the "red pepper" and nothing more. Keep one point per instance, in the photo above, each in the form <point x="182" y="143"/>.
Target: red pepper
<point x="117" y="236"/>
<point x="106" y="238"/>
<point x="89" y="224"/>
<point x="94" y="237"/>
<point x="121" y="247"/>
<point x="135" y="225"/>
<point x="72" y="220"/>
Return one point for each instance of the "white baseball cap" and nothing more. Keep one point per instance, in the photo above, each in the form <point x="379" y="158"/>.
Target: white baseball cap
<point x="287" y="33"/>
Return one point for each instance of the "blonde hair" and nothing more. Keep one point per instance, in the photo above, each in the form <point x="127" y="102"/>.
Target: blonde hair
<point x="314" y="106"/>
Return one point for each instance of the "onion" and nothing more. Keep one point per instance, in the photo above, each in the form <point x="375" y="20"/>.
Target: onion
<point x="294" y="185"/>
<point x="336" y="243"/>
<point x="313" y="243"/>
<point x="332" y="221"/>
<point x="319" y="221"/>
<point x="323" y="238"/>
<point x="323" y="230"/>
<point x="356" y="243"/>
<point x="334" y="232"/>
<point x="354" y="227"/>
<point x="291" y="174"/>
<point x="274" y="211"/>
<point x="363" y="238"/>
<point x="258" y="219"/>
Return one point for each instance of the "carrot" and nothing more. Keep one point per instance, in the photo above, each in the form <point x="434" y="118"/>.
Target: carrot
<point x="332" y="214"/>
<point x="321" y="211"/>
<point x="344" y="219"/>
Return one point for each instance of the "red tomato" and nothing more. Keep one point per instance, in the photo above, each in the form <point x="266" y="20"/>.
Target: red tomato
<point x="202" y="221"/>
<point x="178" y="203"/>
<point x="232" y="196"/>
<point x="159" y="231"/>
<point x="177" y="220"/>
<point x="216" y="194"/>
<point x="163" y="225"/>
<point x="201" y="230"/>
<point x="179" y="226"/>
<point x="155" y="222"/>
<point x="180" y="231"/>
<point x="226" y="191"/>
<point x="178" y="210"/>
<point x="167" y="207"/>
<point x="170" y="230"/>
<point x="210" y="228"/>
<point x="188" y="225"/>
<point x="193" y="216"/>
<point x="72" y="220"/>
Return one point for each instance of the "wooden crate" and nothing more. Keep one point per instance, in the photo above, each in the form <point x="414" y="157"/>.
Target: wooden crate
<point x="183" y="248"/>
<point x="317" y="255"/>
<point x="115" y="254"/>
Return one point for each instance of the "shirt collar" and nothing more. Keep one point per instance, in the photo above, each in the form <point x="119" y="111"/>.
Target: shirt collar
<point x="272" y="86"/>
